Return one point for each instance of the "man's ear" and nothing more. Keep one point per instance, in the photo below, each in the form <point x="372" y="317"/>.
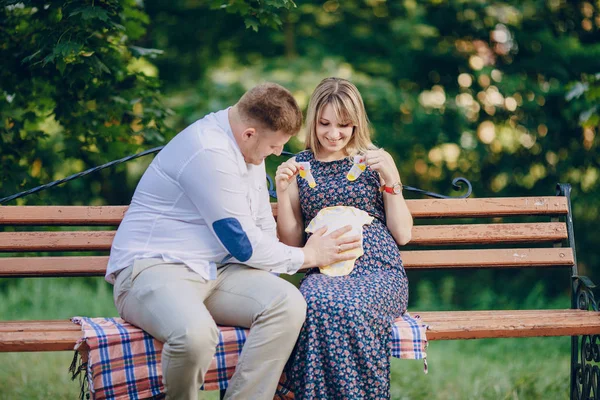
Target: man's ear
<point x="248" y="134"/>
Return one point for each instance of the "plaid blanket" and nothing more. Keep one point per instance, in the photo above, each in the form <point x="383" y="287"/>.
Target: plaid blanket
<point x="122" y="361"/>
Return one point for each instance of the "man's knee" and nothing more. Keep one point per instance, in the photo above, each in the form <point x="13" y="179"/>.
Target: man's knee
<point x="297" y="310"/>
<point x="195" y="342"/>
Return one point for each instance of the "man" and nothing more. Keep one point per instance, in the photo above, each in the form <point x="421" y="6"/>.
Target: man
<point x="198" y="245"/>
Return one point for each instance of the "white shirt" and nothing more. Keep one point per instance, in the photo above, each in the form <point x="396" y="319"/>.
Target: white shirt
<point x="200" y="204"/>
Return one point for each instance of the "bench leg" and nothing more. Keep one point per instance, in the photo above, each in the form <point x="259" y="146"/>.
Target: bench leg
<point x="585" y="373"/>
<point x="585" y="350"/>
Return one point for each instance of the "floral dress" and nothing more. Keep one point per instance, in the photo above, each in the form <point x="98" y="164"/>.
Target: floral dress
<point x="344" y="348"/>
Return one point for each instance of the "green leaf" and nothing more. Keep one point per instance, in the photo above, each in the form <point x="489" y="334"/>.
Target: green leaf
<point x="67" y="51"/>
<point x="100" y="66"/>
<point x="251" y="22"/>
<point x="61" y="65"/>
<point x="89" y="13"/>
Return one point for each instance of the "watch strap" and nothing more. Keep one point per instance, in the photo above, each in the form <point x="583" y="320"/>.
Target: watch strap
<point x="390" y="189"/>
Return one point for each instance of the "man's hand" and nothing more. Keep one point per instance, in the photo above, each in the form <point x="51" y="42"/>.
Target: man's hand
<point x="326" y="250"/>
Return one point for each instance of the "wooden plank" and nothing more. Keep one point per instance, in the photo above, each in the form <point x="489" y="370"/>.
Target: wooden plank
<point x="499" y="324"/>
<point x="488" y="233"/>
<point x="62" y="215"/>
<point x="56" y="241"/>
<point x="422" y="235"/>
<point x="488" y="207"/>
<point x="422" y="208"/>
<point x="483" y="207"/>
<point x="446" y="325"/>
<point x="488" y="258"/>
<point x="417" y="259"/>
<point x="53" y="266"/>
<point x="487" y="315"/>
<point x="39" y="325"/>
<point x="39" y="341"/>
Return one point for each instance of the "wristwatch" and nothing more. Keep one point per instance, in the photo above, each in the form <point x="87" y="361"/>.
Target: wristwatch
<point x="396" y="188"/>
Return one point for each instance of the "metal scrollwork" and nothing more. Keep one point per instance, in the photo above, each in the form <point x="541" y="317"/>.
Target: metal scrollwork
<point x="456" y="185"/>
<point x="585" y="373"/>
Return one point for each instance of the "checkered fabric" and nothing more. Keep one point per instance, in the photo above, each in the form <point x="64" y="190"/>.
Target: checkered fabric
<point x="124" y="362"/>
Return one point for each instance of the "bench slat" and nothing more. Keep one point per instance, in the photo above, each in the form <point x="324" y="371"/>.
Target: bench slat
<point x="422" y="208"/>
<point x="56" y="241"/>
<point x="55" y="340"/>
<point x="501" y="324"/>
<point x="447" y="325"/>
<point x="39" y="325"/>
<point x="422" y="235"/>
<point x="53" y="266"/>
<point x="488" y="258"/>
<point x="62" y="215"/>
<point x="488" y="233"/>
<point x="488" y="207"/>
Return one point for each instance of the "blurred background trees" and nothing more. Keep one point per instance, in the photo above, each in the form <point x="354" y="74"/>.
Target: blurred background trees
<point x="504" y="93"/>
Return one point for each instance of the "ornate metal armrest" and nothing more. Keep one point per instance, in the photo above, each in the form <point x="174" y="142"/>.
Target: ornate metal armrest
<point x="585" y="355"/>
<point x="584" y="296"/>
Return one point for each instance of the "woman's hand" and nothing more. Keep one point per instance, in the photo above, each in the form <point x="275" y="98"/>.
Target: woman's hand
<point x="381" y="161"/>
<point x="285" y="173"/>
<point x="325" y="250"/>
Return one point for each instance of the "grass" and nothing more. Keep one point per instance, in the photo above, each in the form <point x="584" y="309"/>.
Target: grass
<point x="526" y="369"/>
<point x="25" y="376"/>
<point x="506" y="369"/>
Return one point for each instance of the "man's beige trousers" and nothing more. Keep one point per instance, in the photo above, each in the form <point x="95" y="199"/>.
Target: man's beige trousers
<point x="181" y="309"/>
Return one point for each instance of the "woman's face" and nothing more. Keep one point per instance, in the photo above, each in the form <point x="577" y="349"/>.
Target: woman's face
<point x="333" y="135"/>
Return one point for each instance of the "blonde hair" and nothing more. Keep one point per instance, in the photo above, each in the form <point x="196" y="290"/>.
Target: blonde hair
<point x="272" y="107"/>
<point x="348" y="107"/>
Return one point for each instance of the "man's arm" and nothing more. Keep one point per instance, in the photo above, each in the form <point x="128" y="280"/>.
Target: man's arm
<point x="212" y="181"/>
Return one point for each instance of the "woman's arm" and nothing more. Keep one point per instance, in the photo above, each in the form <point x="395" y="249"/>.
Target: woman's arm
<point x="290" y="224"/>
<point x="398" y="218"/>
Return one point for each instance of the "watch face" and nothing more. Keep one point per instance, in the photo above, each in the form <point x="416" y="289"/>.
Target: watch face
<point x="397" y="189"/>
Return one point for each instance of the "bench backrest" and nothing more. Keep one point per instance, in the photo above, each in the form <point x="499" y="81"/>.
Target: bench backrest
<point x="517" y="232"/>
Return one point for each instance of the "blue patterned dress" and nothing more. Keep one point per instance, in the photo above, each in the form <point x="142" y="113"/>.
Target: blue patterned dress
<point x="344" y="348"/>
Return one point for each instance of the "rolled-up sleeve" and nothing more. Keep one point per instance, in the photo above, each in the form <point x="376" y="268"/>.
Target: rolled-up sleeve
<point x="213" y="181"/>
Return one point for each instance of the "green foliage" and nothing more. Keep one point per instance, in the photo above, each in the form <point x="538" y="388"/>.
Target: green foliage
<point x="255" y="13"/>
<point x="75" y="92"/>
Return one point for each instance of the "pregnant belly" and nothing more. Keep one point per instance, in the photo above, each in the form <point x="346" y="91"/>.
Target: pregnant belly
<point x="379" y="246"/>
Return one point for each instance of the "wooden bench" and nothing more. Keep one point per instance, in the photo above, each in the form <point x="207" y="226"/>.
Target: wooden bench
<point x="520" y="232"/>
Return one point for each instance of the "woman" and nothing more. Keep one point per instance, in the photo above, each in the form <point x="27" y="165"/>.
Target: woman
<point x="343" y="351"/>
